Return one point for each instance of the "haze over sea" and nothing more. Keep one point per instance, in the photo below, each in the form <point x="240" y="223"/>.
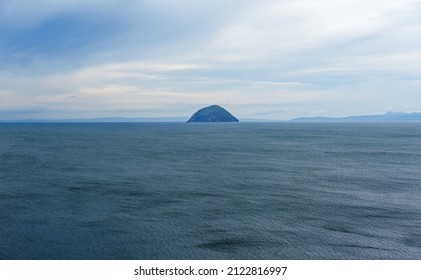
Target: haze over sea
<point x="210" y="191"/>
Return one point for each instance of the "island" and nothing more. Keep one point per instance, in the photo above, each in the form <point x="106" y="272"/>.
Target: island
<point x="212" y="113"/>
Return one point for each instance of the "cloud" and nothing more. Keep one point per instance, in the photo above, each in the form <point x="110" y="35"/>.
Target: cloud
<point x="66" y="34"/>
<point x="278" y="59"/>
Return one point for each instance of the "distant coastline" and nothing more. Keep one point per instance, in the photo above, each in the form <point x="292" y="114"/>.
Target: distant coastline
<point x="387" y="117"/>
<point x="99" y="120"/>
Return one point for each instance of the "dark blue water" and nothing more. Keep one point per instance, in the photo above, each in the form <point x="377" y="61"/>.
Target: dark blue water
<point x="210" y="191"/>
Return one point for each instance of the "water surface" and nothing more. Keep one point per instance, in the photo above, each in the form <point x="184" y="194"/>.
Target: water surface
<point x="210" y="191"/>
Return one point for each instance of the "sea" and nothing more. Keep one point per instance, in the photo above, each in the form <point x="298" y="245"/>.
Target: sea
<point x="207" y="191"/>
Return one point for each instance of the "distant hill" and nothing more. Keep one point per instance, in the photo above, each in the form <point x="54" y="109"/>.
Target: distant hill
<point x="212" y="113"/>
<point x="388" y="117"/>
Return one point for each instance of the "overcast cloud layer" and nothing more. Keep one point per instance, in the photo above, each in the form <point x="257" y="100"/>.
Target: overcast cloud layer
<point x="166" y="58"/>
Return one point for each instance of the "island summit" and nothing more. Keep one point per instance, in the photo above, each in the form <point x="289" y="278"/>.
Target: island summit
<point x="212" y="113"/>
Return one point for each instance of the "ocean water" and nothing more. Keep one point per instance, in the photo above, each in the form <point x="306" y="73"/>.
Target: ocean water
<point x="210" y="191"/>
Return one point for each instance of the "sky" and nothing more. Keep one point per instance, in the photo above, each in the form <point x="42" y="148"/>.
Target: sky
<point x="260" y="59"/>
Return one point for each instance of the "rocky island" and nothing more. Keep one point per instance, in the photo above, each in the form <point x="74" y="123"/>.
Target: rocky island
<point x="212" y="113"/>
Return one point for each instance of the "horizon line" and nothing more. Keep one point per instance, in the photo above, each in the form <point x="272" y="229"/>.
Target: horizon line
<point x="388" y="116"/>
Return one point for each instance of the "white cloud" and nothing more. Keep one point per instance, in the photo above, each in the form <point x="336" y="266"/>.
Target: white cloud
<point x="282" y="28"/>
